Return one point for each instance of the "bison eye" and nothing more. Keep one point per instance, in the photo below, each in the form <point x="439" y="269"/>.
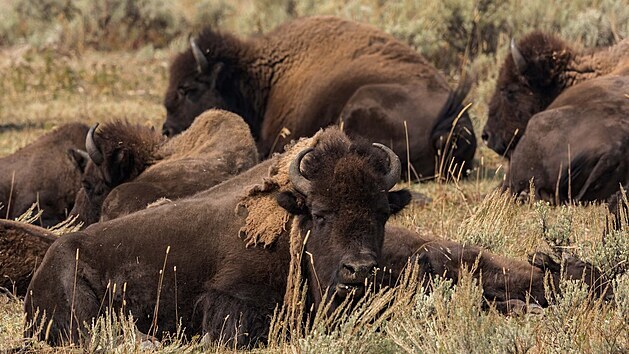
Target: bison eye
<point x="318" y="217"/>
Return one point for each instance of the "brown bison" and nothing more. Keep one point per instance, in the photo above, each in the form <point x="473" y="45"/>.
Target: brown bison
<point x="46" y="172"/>
<point x="562" y="117"/>
<point x="227" y="257"/>
<point x="319" y="71"/>
<point x="132" y="166"/>
<point x="539" y="69"/>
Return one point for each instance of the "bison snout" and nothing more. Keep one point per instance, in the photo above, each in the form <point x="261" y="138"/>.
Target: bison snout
<point x="167" y="131"/>
<point x="356" y="271"/>
<point x="485" y="136"/>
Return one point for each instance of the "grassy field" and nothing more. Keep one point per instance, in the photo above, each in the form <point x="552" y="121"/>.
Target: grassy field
<point x="78" y="64"/>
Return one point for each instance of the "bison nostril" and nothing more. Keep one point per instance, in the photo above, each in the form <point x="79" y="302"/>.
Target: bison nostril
<point x="166" y="131"/>
<point x="359" y="270"/>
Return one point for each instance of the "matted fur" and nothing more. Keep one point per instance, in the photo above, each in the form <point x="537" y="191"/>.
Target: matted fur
<point x="265" y="220"/>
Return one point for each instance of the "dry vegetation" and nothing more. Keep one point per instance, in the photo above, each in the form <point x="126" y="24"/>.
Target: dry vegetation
<point x="63" y="60"/>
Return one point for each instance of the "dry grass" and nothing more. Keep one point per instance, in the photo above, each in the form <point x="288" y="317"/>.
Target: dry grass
<point x="44" y="86"/>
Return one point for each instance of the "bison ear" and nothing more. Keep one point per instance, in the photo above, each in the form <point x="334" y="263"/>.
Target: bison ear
<point x="120" y="168"/>
<point x="398" y="200"/>
<point x="291" y="203"/>
<point x="79" y="158"/>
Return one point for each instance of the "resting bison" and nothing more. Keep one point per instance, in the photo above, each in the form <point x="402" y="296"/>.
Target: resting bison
<point x="540" y="69"/>
<point x="132" y="166"/>
<point x="43" y="172"/>
<point x="226" y="257"/>
<point x="319" y="71"/>
<point x="572" y="114"/>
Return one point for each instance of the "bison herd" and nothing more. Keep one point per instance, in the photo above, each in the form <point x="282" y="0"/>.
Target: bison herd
<point x="224" y="232"/>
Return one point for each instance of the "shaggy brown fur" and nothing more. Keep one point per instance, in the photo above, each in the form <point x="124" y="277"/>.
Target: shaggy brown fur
<point x="22" y="248"/>
<point x="43" y="173"/>
<point x="571" y="116"/>
<point x="314" y="72"/>
<point x="552" y="66"/>
<point x="149" y="167"/>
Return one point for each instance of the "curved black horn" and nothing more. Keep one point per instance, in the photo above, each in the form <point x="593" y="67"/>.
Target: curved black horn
<point x="202" y="64"/>
<point x="92" y="150"/>
<point x="395" y="167"/>
<point x="300" y="183"/>
<point x="518" y="58"/>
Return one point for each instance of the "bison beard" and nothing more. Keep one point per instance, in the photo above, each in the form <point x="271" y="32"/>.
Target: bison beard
<point x="234" y="269"/>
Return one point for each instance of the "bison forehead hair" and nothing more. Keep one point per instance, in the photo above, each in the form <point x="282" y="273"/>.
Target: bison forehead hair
<point x="139" y="140"/>
<point x="333" y="165"/>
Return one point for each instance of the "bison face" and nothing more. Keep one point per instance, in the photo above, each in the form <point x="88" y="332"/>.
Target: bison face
<point x="112" y="161"/>
<point x="344" y="203"/>
<point x="91" y="196"/>
<point x="191" y="91"/>
<point x="529" y="80"/>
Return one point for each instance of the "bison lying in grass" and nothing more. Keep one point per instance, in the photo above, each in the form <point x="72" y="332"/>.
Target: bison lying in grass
<point x="319" y="71"/>
<point x="131" y="166"/>
<point x="43" y="172"/>
<point x="227" y="257"/>
<point x="562" y="116"/>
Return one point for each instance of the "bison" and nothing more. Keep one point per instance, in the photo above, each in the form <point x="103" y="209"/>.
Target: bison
<point x="314" y="72"/>
<point x="46" y="172"/>
<point x="132" y="166"/>
<point x="562" y="117"/>
<point x="539" y="69"/>
<point x="227" y="257"/>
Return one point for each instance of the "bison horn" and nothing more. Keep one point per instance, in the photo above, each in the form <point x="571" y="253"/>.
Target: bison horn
<point x="202" y="64"/>
<point x="92" y="149"/>
<point x="395" y="167"/>
<point x="518" y="58"/>
<point x="300" y="183"/>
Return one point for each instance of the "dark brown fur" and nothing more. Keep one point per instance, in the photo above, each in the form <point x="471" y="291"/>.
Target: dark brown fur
<point x="577" y="149"/>
<point x="43" y="172"/>
<point x="552" y="67"/>
<point x="314" y="72"/>
<point x="22" y="248"/>
<point x="141" y="166"/>
<point x="216" y="275"/>
<point x="571" y="116"/>
<point x="230" y="291"/>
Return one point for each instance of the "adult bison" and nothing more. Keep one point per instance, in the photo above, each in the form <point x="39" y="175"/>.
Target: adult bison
<point x="45" y="172"/>
<point x="131" y="166"/>
<point x="562" y="117"/>
<point x="227" y="257"/>
<point x="314" y="72"/>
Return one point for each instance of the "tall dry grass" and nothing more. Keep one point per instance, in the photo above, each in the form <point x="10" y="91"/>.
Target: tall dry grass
<point x="79" y="64"/>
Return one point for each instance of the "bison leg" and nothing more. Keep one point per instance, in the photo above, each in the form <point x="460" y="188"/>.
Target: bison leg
<point x="572" y="268"/>
<point x="232" y="321"/>
<point x="504" y="281"/>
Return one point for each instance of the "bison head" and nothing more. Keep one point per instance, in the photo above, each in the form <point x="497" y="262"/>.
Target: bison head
<point x="342" y="198"/>
<point x="193" y="89"/>
<point x="529" y="80"/>
<point x="117" y="155"/>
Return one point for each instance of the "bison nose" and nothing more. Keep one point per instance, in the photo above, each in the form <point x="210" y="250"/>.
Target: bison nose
<point x="485" y="136"/>
<point x="167" y="131"/>
<point x="356" y="271"/>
